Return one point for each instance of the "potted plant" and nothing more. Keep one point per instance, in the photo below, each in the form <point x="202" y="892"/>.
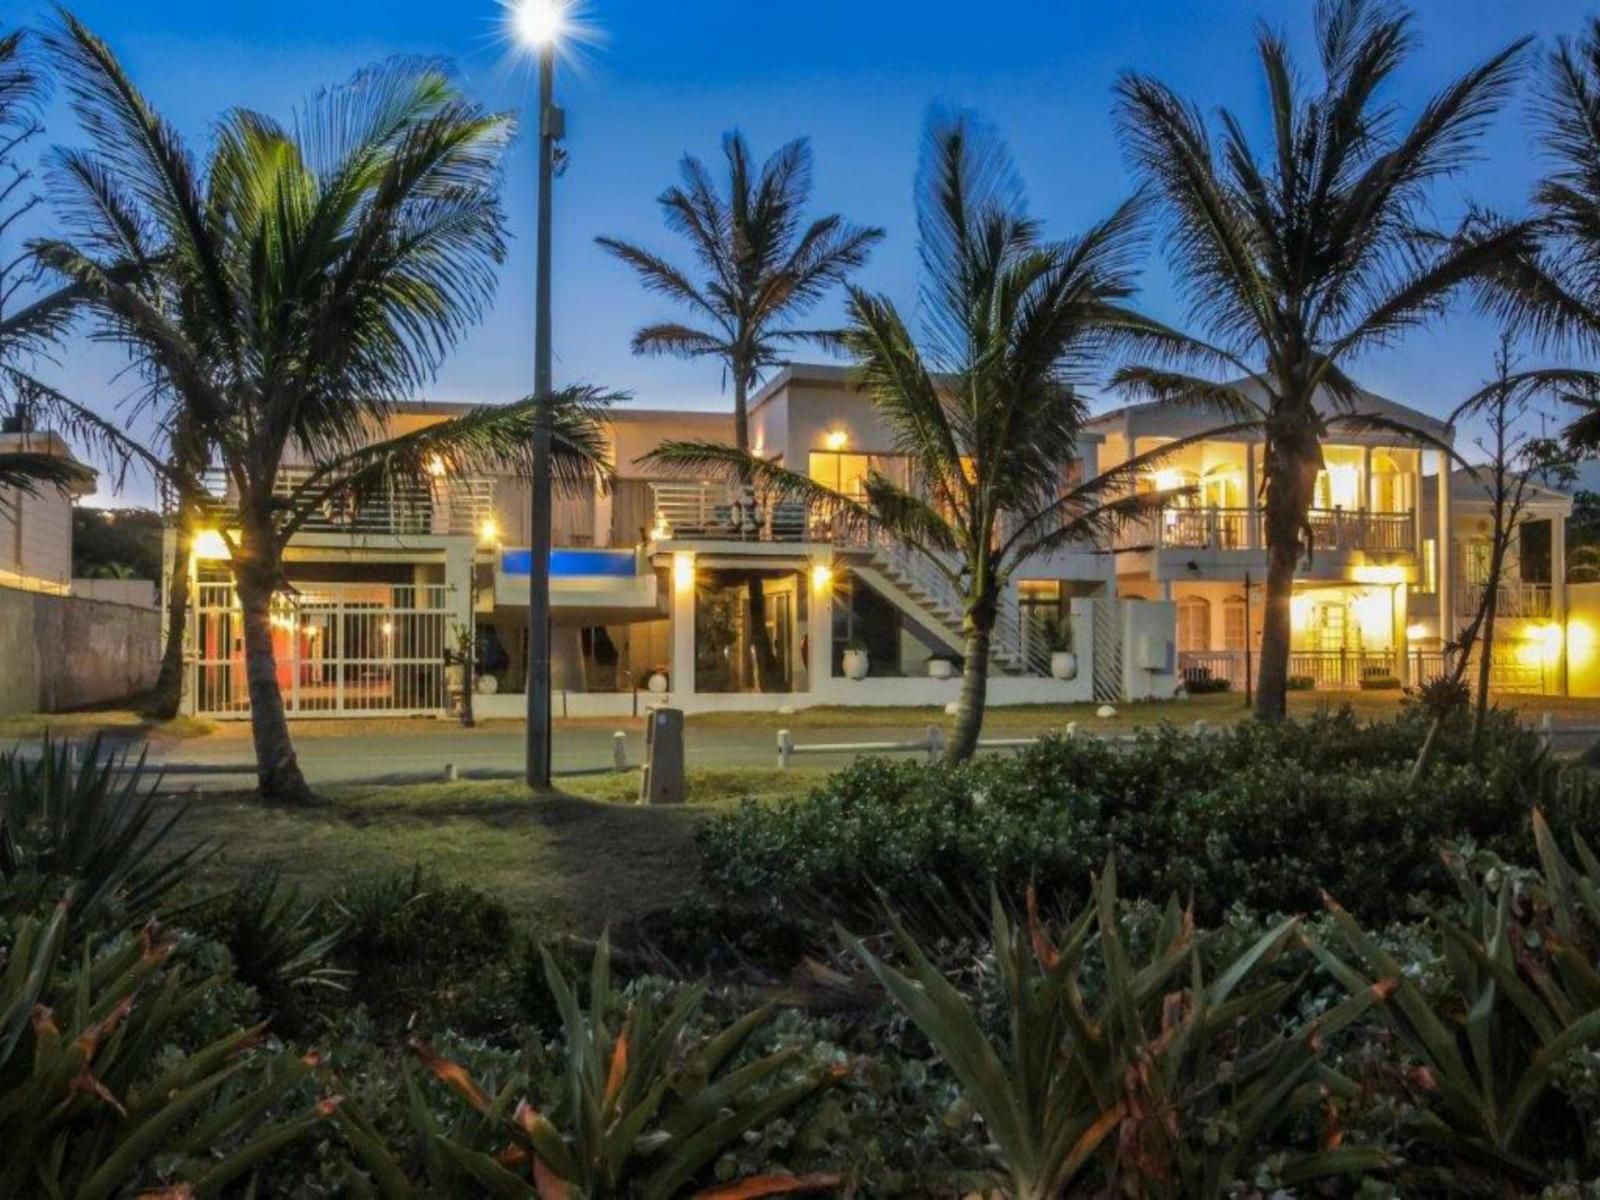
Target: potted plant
<point x="855" y="659"/>
<point x="458" y="671"/>
<point x="941" y="666"/>
<point x="1057" y="634"/>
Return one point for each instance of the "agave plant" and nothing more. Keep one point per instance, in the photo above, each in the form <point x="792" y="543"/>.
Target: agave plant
<point x="1522" y="996"/>
<point x="92" y="824"/>
<point x="647" y="1108"/>
<point x="276" y="940"/>
<point x="1121" y="1081"/>
<point x="95" y="1102"/>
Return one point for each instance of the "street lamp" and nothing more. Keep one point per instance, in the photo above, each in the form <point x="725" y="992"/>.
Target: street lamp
<point x="538" y="25"/>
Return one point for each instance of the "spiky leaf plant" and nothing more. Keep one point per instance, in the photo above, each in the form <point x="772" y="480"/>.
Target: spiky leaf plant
<point x="1122" y="1079"/>
<point x="647" y="1108"/>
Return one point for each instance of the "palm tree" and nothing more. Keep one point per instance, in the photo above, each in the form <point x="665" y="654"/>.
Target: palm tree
<point x="983" y="405"/>
<point x="304" y="281"/>
<point x="765" y="267"/>
<point x="1299" y="256"/>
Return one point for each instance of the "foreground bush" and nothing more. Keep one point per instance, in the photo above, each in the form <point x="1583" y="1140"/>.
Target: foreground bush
<point x="1266" y="817"/>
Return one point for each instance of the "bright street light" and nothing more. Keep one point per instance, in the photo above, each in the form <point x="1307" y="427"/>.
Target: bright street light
<point x="538" y="23"/>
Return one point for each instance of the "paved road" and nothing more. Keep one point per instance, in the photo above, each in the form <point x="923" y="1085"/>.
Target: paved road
<point x="224" y="761"/>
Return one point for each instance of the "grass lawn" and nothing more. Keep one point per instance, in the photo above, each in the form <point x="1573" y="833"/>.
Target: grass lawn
<point x="570" y="864"/>
<point x="112" y="722"/>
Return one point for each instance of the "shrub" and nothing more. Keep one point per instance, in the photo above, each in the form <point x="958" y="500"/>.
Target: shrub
<point x="1261" y="815"/>
<point x="415" y="941"/>
<point x="1199" y="681"/>
<point x="1378" y="682"/>
<point x="91" y="826"/>
<point x="1301" y="683"/>
<point x="275" y="939"/>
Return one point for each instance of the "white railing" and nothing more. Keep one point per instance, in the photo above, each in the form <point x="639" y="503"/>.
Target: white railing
<point x="448" y="506"/>
<point x="716" y="511"/>
<point x="1185" y="528"/>
<point x="1512" y="599"/>
<point x="1358" y="529"/>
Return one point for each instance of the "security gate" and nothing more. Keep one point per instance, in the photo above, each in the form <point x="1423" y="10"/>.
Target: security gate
<point x="342" y="649"/>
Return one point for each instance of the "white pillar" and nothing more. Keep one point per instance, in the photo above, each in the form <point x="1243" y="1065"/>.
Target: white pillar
<point x="819" y="651"/>
<point x="1367" y="501"/>
<point x="1252" y="521"/>
<point x="681" y="667"/>
<point x="1445" y="568"/>
<point x="1558" y="595"/>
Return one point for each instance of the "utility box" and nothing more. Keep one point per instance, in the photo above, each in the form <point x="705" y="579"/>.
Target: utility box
<point x="662" y="782"/>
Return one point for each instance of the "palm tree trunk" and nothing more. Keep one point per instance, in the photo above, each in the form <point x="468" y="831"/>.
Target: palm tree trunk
<point x="168" y="695"/>
<point x="974" y="692"/>
<point x="767" y="669"/>
<point x="1292" y="465"/>
<point x="278" y="775"/>
<point x="1272" y="687"/>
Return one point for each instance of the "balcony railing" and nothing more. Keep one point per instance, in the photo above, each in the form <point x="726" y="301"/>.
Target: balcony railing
<point x="1512" y="599"/>
<point x="449" y="506"/>
<point x="715" y="511"/>
<point x="1230" y="529"/>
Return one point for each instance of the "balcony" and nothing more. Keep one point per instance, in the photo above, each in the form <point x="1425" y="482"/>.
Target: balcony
<point x="1512" y="599"/>
<point x="717" y="512"/>
<point x="1336" y="529"/>
<point x="449" y="506"/>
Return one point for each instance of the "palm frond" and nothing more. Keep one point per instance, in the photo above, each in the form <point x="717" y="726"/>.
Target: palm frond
<point x="1188" y="391"/>
<point x="30" y="471"/>
<point x="490" y="439"/>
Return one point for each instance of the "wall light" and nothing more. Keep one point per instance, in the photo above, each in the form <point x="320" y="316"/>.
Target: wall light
<point x="208" y="544"/>
<point x="682" y="571"/>
<point x="489" y="531"/>
<point x="1368" y="573"/>
<point x="836" y="439"/>
<point x="436" y="466"/>
<point x="821" y="576"/>
<point x="1416" y="633"/>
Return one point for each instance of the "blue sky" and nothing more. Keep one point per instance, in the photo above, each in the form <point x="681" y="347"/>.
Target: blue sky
<point x="857" y="76"/>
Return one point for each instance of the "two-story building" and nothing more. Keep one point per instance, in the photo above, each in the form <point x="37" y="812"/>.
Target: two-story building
<point x="1533" y="638"/>
<point x="652" y="581"/>
<point x="1375" y="547"/>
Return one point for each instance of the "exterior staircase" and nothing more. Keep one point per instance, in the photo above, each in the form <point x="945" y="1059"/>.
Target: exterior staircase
<point x="914" y="585"/>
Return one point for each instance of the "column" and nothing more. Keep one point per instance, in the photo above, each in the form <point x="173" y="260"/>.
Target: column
<point x="1558" y="596"/>
<point x="1252" y="521"/>
<point x="681" y="667"/>
<point x="1445" y="568"/>
<point x="1367" y="502"/>
<point x="819" y="624"/>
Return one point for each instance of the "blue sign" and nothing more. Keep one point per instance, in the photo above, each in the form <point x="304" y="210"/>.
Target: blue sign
<point x="569" y="564"/>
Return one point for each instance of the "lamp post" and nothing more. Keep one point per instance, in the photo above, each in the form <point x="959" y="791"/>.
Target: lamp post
<point x="539" y="25"/>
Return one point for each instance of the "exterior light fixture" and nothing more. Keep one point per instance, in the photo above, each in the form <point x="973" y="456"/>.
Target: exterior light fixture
<point x="537" y="23"/>
<point x="1416" y="633"/>
<point x="682" y="571"/>
<point x="436" y="466"/>
<point x="836" y="439"/>
<point x="821" y="576"/>
<point x="208" y="544"/>
<point x="489" y="531"/>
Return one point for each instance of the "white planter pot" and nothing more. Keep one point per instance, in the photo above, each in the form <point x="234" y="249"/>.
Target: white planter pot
<point x="455" y="678"/>
<point x="855" y="664"/>
<point x="488" y="685"/>
<point x="940" y="668"/>
<point x="657" y="683"/>
<point x="1064" y="664"/>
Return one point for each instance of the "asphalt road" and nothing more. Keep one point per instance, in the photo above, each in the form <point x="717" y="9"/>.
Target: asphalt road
<point x="225" y="761"/>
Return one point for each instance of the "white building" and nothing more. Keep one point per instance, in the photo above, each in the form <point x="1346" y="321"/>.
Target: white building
<point x="650" y="590"/>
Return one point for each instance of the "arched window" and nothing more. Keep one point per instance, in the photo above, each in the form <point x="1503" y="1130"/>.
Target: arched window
<point x="1391" y="484"/>
<point x="1194" y="624"/>
<point x="1235" y="624"/>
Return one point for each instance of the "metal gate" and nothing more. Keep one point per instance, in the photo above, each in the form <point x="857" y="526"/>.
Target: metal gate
<point x="342" y="649"/>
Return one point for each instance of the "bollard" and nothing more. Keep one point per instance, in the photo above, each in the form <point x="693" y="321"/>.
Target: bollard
<point x="1071" y="730"/>
<point x="619" y="750"/>
<point x="450" y="774"/>
<point x="785" y="749"/>
<point x="935" y="743"/>
<point x="1547" y="730"/>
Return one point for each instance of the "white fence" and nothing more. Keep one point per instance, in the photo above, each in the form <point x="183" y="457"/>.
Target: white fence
<point x="352" y="649"/>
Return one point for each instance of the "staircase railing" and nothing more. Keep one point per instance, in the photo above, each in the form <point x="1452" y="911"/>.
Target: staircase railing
<point x="1009" y="642"/>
